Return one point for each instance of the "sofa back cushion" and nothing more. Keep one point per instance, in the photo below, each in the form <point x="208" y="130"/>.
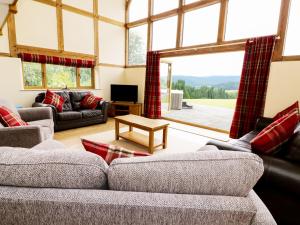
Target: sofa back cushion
<point x="58" y="168"/>
<point x="203" y="172"/>
<point x="67" y="106"/>
<point x="76" y="97"/>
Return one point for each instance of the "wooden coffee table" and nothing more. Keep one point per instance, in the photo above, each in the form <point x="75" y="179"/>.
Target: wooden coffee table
<point x="150" y="125"/>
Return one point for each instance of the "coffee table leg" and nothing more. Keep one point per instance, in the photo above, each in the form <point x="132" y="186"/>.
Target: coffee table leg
<point x="165" y="137"/>
<point x="130" y="128"/>
<point x="117" y="126"/>
<point x="151" y="142"/>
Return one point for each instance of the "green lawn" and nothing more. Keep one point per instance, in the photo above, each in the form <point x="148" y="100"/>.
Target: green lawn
<point x="224" y="103"/>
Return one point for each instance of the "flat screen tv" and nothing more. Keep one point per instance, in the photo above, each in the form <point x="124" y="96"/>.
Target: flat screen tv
<point x="124" y="93"/>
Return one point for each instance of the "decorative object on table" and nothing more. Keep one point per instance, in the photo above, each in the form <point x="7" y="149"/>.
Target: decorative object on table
<point x="110" y="152"/>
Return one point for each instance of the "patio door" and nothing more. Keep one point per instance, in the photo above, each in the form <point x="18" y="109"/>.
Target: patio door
<point x="165" y="85"/>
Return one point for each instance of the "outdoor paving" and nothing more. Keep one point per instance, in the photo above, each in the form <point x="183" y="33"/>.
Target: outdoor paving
<point x="215" y="117"/>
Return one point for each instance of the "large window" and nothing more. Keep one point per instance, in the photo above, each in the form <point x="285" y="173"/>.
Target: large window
<point x="138" y="10"/>
<point x="137" y="47"/>
<point x="252" y="18"/>
<point x="292" y="46"/>
<point x="206" y="30"/>
<point x="164" y="33"/>
<point x="164" y="5"/>
<point x="41" y="76"/>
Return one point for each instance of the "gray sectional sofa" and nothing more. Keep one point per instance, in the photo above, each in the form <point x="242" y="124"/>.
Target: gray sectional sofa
<point x="49" y="184"/>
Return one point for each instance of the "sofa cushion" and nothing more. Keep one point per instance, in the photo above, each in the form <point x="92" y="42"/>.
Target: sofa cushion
<point x="90" y="101"/>
<point x="203" y="172"/>
<point x="110" y="152"/>
<point x="72" y="115"/>
<point x="290" y="109"/>
<point x="67" y="106"/>
<point x="9" y="105"/>
<point x="9" y="119"/>
<point x="274" y="135"/>
<point x="89" y="113"/>
<point x="51" y="169"/>
<point x="54" y="99"/>
<point x="46" y="127"/>
<point x="76" y="98"/>
<point x="49" y="144"/>
<point x="292" y="148"/>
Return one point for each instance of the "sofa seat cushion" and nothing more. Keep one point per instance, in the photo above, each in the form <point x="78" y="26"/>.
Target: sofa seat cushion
<point x="58" y="168"/>
<point x="46" y="127"/>
<point x="89" y="113"/>
<point x="212" y="172"/>
<point x="72" y="115"/>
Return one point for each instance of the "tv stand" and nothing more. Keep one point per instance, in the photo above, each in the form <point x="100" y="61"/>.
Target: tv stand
<point x="124" y="108"/>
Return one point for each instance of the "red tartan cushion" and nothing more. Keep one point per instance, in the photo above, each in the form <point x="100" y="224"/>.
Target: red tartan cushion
<point x="10" y="119"/>
<point x="110" y="152"/>
<point x="275" y="134"/>
<point x="290" y="109"/>
<point x="54" y="99"/>
<point x="90" y="101"/>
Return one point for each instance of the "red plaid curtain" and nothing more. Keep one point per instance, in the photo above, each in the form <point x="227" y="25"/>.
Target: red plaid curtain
<point x="152" y="101"/>
<point x="27" y="57"/>
<point x="253" y="85"/>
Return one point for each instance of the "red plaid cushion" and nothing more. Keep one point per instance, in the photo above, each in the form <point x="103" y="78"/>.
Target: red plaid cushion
<point x="110" y="152"/>
<point x="275" y="134"/>
<point x="54" y="99"/>
<point x="90" y="101"/>
<point x="10" y="119"/>
<point x="290" y="109"/>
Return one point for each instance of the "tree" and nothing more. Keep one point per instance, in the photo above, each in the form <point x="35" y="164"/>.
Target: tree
<point x="136" y="49"/>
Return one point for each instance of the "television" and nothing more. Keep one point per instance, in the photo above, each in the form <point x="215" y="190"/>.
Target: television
<point x="124" y="93"/>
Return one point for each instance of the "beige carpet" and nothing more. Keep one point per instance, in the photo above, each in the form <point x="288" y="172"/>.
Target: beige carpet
<point x="178" y="141"/>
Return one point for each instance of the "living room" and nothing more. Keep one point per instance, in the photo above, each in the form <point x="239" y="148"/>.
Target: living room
<point x="127" y="86"/>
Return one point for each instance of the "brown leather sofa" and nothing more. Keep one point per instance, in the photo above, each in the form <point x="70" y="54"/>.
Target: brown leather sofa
<point x="73" y="116"/>
<point x="279" y="187"/>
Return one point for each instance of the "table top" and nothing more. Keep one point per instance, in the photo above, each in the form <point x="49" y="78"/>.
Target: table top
<point x="142" y="121"/>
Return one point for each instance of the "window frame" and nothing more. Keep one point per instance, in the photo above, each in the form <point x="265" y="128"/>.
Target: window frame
<point x="221" y="45"/>
<point x="44" y="79"/>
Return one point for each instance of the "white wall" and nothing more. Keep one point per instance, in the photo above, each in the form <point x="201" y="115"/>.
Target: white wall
<point x="283" y="86"/>
<point x="36" y="24"/>
<point x="136" y="76"/>
<point x="4" y="45"/>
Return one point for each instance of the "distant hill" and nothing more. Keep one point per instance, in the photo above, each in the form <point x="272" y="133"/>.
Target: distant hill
<point x="225" y="82"/>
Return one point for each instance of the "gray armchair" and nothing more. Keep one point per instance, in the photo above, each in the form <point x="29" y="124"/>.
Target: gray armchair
<point x="40" y="128"/>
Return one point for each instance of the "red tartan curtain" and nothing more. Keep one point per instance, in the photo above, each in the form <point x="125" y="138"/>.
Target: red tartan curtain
<point x="253" y="85"/>
<point x="27" y="57"/>
<point x="152" y="101"/>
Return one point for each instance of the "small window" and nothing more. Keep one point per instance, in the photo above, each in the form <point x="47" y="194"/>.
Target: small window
<point x="85" y="77"/>
<point x="60" y="76"/>
<point x="206" y="30"/>
<point x="253" y="18"/>
<point x="164" y="33"/>
<point x="137" y="47"/>
<point x="138" y="9"/>
<point x="33" y="77"/>
<point x="164" y="5"/>
<point x="292" y="46"/>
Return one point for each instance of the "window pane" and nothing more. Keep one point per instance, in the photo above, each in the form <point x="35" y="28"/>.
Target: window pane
<point x="32" y="74"/>
<point x="164" y="5"/>
<point x="206" y="29"/>
<point x="164" y="33"/>
<point x="190" y="1"/>
<point x="85" y="77"/>
<point x="138" y="9"/>
<point x="137" y="47"/>
<point x="292" y="46"/>
<point x="60" y="76"/>
<point x="252" y="18"/>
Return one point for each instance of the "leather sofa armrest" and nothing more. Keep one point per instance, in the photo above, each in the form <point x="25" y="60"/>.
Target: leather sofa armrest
<point x="103" y="105"/>
<point x="33" y="114"/>
<point x="25" y="136"/>
<point x="281" y="174"/>
<point x="262" y="122"/>
<point x="227" y="146"/>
